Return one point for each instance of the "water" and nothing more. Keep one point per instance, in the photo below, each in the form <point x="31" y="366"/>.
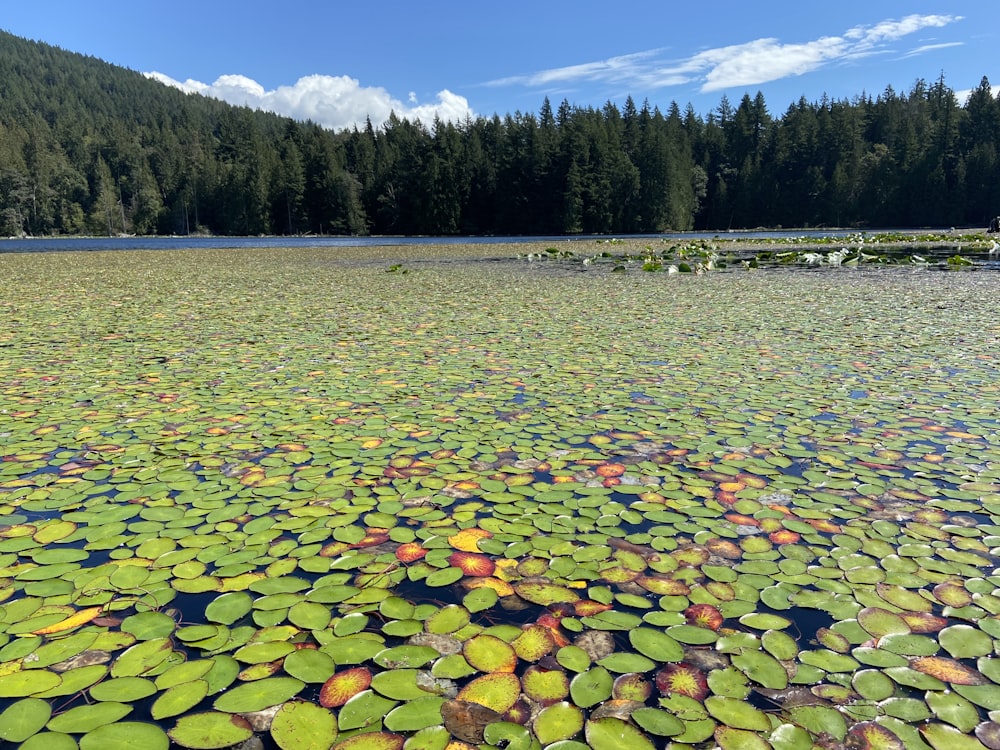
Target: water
<point x="69" y="244"/>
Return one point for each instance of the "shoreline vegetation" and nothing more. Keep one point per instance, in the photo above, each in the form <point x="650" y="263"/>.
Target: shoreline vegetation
<point x="90" y="148"/>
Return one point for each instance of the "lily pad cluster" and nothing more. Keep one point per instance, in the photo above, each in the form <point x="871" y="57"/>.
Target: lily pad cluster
<point x="948" y="251"/>
<point x="296" y="500"/>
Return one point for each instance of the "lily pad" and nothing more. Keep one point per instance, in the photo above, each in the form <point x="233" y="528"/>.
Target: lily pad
<point x="22" y="719"/>
<point x="210" y="730"/>
<point x="255" y="696"/>
<point x="613" y="734"/>
<point x="300" y="725"/>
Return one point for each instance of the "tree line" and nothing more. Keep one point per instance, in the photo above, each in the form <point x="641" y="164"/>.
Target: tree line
<point x="91" y="148"/>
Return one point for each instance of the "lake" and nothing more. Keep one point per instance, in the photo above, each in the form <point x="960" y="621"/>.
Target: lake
<point x="359" y="497"/>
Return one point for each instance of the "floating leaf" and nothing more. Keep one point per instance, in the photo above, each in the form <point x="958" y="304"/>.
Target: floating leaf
<point x="73" y="621"/>
<point x="27" y="683"/>
<point x="656" y="645"/>
<point x="542" y="593"/>
<point x="736" y="713"/>
<point x="953" y="709"/>
<point x="729" y="738"/>
<point x="964" y="641"/>
<point x="682" y="679"/>
<point x="879" y="622"/>
<point x="309" y="665"/>
<point x="488" y="653"/>
<point x="372" y="741"/>
<point x="178" y="699"/>
<point x="343" y="686"/>
<point x="363" y="710"/>
<point x="945" y="737"/>
<point x="498" y="691"/>
<point x="867" y="735"/>
<point x="591" y="687"/>
<point x="22" y="719"/>
<point x="256" y="696"/>
<point x="467" y="720"/>
<point x="472" y="564"/>
<point x="123" y="689"/>
<point x="210" y="730"/>
<point x="613" y="734"/>
<point x="81" y="719"/>
<point x="704" y="616"/>
<point x="467" y="540"/>
<point x="948" y="670"/>
<point x="534" y="642"/>
<point x="762" y="668"/>
<point x="299" y="725"/>
<point x="229" y="607"/>
<point x="415" y="714"/>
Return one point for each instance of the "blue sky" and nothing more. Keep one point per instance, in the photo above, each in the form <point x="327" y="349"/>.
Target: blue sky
<point x="336" y="63"/>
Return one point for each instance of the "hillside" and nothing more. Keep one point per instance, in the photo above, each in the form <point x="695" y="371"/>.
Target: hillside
<point x="87" y="147"/>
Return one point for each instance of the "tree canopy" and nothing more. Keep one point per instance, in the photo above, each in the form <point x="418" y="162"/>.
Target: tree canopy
<point x="91" y="148"/>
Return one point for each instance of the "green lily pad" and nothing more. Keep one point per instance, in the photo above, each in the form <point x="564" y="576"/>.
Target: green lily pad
<point x="309" y="665"/>
<point x="591" y="687"/>
<point x="762" y="668"/>
<point x="50" y="741"/>
<point x="573" y="658"/>
<point x="82" y="719"/>
<point x="880" y="622"/>
<point x="227" y="608"/>
<point x="448" y="619"/>
<point x="560" y="721"/>
<point x="965" y="641"/>
<point x="363" y="710"/>
<point x="415" y="714"/>
<point x="27" y="683"/>
<point x="142" y="658"/>
<point x="258" y="695"/>
<point x="613" y="734"/>
<point x="300" y="725"/>
<point x="873" y="684"/>
<point x="656" y="645"/>
<point x="736" y="713"/>
<point x="953" y="709"/>
<point x="178" y="699"/>
<point x="819" y="719"/>
<point x="148" y="625"/>
<point x="22" y="719"/>
<point x="210" y="730"/>
<point x="729" y="738"/>
<point x="658" y="722"/>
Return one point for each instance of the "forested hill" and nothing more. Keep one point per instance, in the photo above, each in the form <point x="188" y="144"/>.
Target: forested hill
<point x="91" y="148"/>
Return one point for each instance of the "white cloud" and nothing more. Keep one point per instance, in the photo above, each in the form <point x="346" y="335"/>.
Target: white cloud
<point x="740" y="65"/>
<point x="335" y="102"/>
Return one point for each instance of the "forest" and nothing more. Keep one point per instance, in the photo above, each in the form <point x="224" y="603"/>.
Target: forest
<point x="87" y="147"/>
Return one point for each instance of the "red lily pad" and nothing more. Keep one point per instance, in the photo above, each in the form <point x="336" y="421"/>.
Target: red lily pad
<point x="472" y="564"/>
<point x="682" y="679"/>
<point x="343" y="686"/>
<point x="410" y="552"/>
<point x="704" y="616"/>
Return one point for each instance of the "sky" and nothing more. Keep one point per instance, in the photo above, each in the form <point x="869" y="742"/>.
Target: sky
<point x="338" y="63"/>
